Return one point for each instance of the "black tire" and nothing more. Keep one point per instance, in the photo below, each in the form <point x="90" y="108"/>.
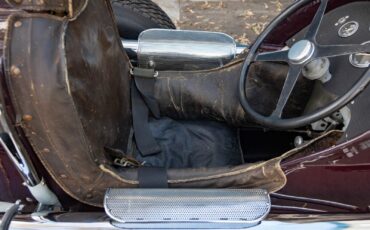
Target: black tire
<point x="135" y="16"/>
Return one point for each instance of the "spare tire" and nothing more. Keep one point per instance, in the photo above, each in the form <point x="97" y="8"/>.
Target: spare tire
<point x="135" y="16"/>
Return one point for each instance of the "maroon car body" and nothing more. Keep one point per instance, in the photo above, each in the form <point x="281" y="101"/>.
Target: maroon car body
<point x="334" y="180"/>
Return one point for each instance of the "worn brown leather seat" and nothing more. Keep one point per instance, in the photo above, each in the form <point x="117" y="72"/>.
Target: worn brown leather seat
<point x="68" y="79"/>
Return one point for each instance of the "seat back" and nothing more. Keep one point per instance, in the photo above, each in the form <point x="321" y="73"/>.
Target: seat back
<point x="69" y="84"/>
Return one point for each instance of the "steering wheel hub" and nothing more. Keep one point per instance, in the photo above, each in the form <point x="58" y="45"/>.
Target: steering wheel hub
<point x="301" y="51"/>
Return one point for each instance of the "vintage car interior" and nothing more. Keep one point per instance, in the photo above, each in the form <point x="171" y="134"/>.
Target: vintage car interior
<point x="183" y="115"/>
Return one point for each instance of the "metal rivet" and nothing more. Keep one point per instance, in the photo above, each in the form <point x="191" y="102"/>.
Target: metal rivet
<point x="298" y="141"/>
<point x="15" y="71"/>
<point x="46" y="150"/>
<point x="40" y="2"/>
<point x="18" y="1"/>
<point x="63" y="176"/>
<point x="27" y="117"/>
<point x="88" y="196"/>
<point x="151" y="63"/>
<point x="18" y="24"/>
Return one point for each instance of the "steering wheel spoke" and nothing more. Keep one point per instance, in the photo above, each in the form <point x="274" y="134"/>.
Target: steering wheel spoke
<point x="281" y="55"/>
<point x="316" y="22"/>
<point x="339" y="50"/>
<point x="289" y="84"/>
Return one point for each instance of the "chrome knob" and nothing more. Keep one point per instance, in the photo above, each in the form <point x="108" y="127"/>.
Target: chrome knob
<point x="301" y="51"/>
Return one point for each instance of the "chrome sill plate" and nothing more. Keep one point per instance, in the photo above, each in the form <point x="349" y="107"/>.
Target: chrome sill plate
<point x="186" y="208"/>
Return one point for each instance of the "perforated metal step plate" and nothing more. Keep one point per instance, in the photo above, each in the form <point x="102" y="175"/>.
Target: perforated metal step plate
<point x="186" y="208"/>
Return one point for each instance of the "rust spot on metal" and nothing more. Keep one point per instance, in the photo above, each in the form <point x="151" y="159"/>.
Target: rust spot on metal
<point x="27" y="118"/>
<point x="15" y="71"/>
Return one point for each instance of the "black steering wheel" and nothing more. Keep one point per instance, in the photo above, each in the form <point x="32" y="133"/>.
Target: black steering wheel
<point x="302" y="52"/>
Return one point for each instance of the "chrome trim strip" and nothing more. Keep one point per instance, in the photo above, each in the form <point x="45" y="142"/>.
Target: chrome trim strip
<point x="133" y="45"/>
<point x="265" y="225"/>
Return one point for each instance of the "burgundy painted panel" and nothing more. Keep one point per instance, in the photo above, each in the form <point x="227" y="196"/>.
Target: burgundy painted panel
<point x="340" y="174"/>
<point x="11" y="188"/>
<point x="299" y="20"/>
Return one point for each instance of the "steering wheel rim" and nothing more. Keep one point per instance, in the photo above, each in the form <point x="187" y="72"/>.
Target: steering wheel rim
<point x="319" y="51"/>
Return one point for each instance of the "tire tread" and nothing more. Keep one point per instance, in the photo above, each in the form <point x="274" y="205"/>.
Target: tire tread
<point x="148" y="9"/>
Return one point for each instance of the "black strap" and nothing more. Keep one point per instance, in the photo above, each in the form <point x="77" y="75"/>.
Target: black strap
<point x="146" y="88"/>
<point x="140" y="113"/>
<point x="146" y="73"/>
<point x="152" y="177"/>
